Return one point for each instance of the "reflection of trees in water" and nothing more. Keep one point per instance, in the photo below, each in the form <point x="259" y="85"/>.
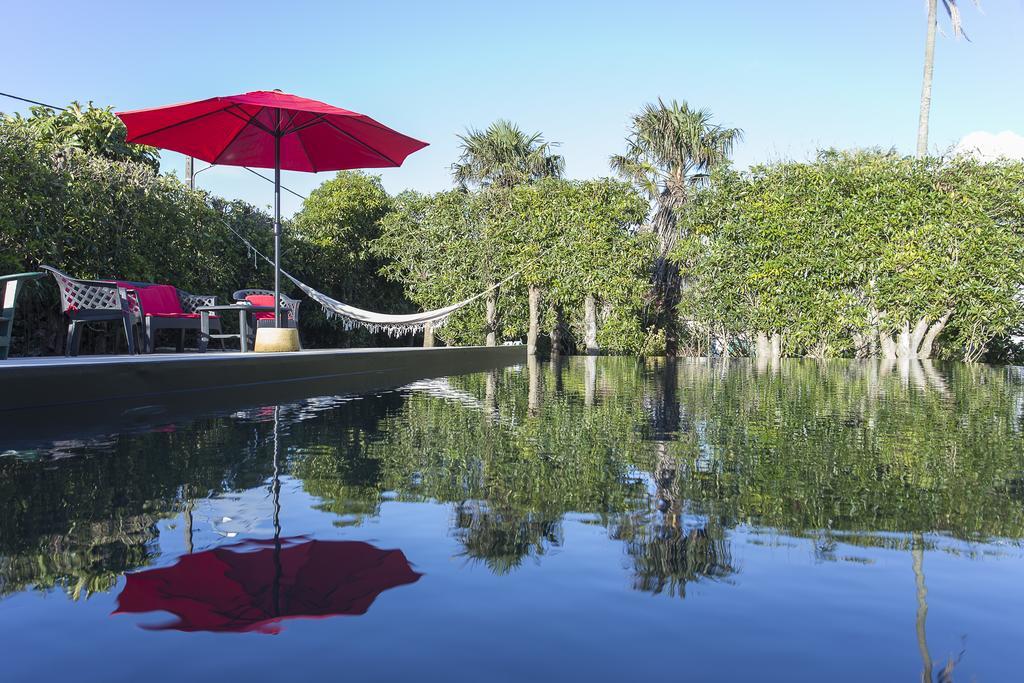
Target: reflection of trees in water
<point x="667" y="457"/>
<point x="667" y="552"/>
<point x="502" y="539"/>
<point x="79" y="521"/>
<point x="84" y="560"/>
<point x="858" y="447"/>
<point x="667" y="555"/>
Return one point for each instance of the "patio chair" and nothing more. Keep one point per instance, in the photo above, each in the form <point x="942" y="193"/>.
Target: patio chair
<point x="9" y="286"/>
<point x="265" y="297"/>
<point x="165" y="307"/>
<point x="87" y="301"/>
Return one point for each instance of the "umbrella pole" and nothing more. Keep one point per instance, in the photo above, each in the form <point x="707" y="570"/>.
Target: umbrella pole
<point x="277" y="516"/>
<point x="277" y="221"/>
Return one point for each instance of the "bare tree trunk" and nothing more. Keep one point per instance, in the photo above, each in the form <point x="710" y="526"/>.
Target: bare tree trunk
<point x="913" y="343"/>
<point x="492" y="318"/>
<point x="888" y="346"/>
<point x="534" y="330"/>
<point x="428" y="335"/>
<point x="926" y="85"/>
<point x="762" y="347"/>
<point x="775" y="346"/>
<point x="558" y="332"/>
<point x="590" y="325"/>
<point x="933" y="332"/>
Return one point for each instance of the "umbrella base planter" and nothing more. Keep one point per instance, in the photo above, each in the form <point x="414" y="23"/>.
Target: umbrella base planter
<point x="277" y="339"/>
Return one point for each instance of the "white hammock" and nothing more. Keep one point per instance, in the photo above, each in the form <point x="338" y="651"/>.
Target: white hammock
<point x="394" y="325"/>
<point x="352" y="317"/>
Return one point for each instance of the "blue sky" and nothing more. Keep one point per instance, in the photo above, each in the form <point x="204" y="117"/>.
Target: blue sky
<point x="796" y="75"/>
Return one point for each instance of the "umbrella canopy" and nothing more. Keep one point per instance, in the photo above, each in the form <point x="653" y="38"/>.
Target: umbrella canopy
<point x="242" y="130"/>
<point x="255" y="585"/>
<point x="271" y="129"/>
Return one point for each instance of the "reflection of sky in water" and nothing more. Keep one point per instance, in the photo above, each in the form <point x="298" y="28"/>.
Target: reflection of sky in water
<point x="824" y="522"/>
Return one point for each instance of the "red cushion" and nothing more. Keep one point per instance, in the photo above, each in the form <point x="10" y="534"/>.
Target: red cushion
<point x="190" y="316"/>
<point x="260" y="299"/>
<point x="265" y="300"/>
<point x="160" y="300"/>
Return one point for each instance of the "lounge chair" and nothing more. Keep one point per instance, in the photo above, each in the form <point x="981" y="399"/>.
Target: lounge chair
<point x="9" y="286"/>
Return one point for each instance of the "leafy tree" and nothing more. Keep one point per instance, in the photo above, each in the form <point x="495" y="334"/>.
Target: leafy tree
<point x="670" y="151"/>
<point x="497" y="160"/>
<point x="864" y="253"/>
<point x="503" y="156"/>
<point x="333" y="234"/>
<point x="570" y="240"/>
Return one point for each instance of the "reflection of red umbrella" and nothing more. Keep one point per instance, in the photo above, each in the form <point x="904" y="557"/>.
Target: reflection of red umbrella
<point x="252" y="586"/>
<point x="271" y="129"/>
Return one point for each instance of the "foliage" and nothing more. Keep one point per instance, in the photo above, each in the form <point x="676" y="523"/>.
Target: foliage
<point x="91" y="129"/>
<point x="855" y="244"/>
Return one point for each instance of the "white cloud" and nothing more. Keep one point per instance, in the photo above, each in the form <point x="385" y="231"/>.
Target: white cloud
<point x="991" y="146"/>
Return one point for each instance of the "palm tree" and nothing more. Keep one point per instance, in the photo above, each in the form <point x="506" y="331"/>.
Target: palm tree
<point x="504" y="156"/>
<point x="929" y="64"/>
<point x="670" y="152"/>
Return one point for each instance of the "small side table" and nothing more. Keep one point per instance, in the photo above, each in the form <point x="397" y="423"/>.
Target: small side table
<point x="244" y="310"/>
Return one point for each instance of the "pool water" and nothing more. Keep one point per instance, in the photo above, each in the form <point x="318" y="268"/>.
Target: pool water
<point x="590" y="519"/>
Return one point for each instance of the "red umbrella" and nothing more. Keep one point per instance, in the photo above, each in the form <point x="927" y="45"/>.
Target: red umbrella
<point x="271" y="129"/>
<point x="253" y="586"/>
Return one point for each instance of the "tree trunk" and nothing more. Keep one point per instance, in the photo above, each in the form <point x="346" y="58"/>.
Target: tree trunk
<point x="590" y="325"/>
<point x="428" y="336"/>
<point x="913" y="343"/>
<point x="667" y="280"/>
<point x="926" y="85"/>
<point x="492" y="318"/>
<point x="558" y="332"/>
<point x="775" y="346"/>
<point x="762" y="347"/>
<point x="888" y="346"/>
<point x="534" y="330"/>
<point x="933" y="332"/>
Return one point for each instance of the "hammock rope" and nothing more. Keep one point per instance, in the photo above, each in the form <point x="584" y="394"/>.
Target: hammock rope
<point x="352" y="317"/>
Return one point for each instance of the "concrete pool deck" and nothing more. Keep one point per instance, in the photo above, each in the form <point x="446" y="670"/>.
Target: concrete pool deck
<point x="65" y="395"/>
